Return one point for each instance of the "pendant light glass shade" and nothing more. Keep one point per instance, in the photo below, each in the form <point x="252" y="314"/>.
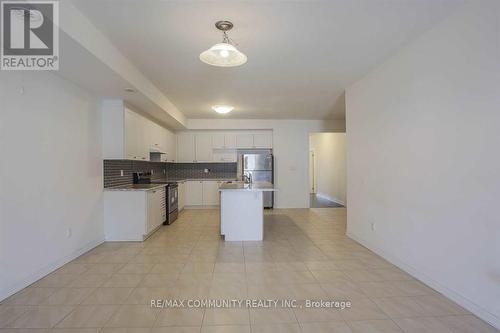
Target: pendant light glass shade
<point x="223" y="55"/>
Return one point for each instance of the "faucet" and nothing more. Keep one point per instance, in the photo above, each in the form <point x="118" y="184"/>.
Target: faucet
<point x="247" y="178"/>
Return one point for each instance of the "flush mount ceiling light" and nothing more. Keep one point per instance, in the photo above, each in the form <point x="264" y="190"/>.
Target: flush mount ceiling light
<point x="222" y="108"/>
<point x="223" y="54"/>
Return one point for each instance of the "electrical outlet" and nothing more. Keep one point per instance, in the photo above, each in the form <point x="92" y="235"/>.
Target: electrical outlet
<point x="68" y="233"/>
<point x="374" y="226"/>
<point x="121" y="173"/>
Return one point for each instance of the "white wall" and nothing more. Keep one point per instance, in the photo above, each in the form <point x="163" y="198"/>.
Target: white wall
<point x="290" y="149"/>
<point x="330" y="168"/>
<point x="423" y="138"/>
<point x="50" y="176"/>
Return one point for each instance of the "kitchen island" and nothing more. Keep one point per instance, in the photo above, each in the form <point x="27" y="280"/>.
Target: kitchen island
<point x="242" y="210"/>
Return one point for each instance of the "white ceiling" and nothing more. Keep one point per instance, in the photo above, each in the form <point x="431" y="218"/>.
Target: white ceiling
<point x="301" y="54"/>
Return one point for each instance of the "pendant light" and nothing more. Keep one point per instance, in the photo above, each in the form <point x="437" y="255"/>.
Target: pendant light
<point x="223" y="54"/>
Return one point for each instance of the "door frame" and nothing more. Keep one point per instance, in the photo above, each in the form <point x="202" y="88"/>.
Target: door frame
<point x="312" y="172"/>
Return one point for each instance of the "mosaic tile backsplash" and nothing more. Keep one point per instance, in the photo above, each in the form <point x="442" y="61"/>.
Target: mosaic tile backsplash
<point x="162" y="170"/>
<point x="197" y="170"/>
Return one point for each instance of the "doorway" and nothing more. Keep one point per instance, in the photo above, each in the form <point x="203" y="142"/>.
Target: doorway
<point x="327" y="170"/>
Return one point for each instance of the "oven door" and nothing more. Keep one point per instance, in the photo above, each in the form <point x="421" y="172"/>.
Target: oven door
<point x="172" y="198"/>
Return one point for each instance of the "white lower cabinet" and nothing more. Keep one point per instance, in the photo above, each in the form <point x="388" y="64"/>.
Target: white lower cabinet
<point x="219" y="183"/>
<point x="156" y="209"/>
<point x="181" y="196"/>
<point x="210" y="193"/>
<point x="133" y="215"/>
<point x="194" y="193"/>
<point x="202" y="193"/>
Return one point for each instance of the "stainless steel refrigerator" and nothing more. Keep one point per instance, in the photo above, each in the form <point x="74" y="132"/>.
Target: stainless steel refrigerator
<point x="260" y="166"/>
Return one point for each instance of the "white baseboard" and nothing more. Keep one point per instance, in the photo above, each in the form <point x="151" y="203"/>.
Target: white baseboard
<point x="429" y="281"/>
<point x="327" y="197"/>
<point x="11" y="290"/>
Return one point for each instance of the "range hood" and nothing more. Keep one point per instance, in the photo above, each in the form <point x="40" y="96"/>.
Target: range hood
<point x="155" y="150"/>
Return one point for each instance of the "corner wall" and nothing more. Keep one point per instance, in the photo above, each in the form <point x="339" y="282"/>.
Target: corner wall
<point x="423" y="134"/>
<point x="50" y="176"/>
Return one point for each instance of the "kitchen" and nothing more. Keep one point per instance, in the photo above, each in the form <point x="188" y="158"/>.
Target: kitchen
<point x="154" y="100"/>
<point x="153" y="174"/>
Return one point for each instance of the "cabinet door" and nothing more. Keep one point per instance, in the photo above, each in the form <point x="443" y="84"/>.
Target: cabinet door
<point x="210" y="193"/>
<point x="219" y="183"/>
<point x="203" y="147"/>
<point x="262" y="140"/>
<point x="185" y="147"/>
<point x="194" y="193"/>
<point x="131" y="135"/>
<point x="244" y="140"/>
<point x="144" y="128"/>
<point x="162" y="206"/>
<point x="182" y="195"/>
<point x="226" y="155"/>
<point x="151" y="212"/>
<point x="171" y="151"/>
<point x="218" y="141"/>
<point x="230" y="140"/>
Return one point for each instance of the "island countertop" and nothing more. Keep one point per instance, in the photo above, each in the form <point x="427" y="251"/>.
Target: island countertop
<point x="241" y="186"/>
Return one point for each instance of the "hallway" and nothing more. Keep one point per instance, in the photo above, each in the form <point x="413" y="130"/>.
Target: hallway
<point x="319" y="202"/>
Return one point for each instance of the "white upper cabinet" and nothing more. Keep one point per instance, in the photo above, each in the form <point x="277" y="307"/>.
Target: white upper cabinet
<point x="224" y="140"/>
<point x="208" y="146"/>
<point x="224" y="155"/>
<point x="203" y="147"/>
<point x="263" y="140"/>
<point x="186" y="147"/>
<point x="128" y="135"/>
<point x="171" y="147"/>
<point x="136" y="146"/>
<point x="218" y="141"/>
<point x="230" y="140"/>
<point x="131" y="135"/>
<point x="244" y="140"/>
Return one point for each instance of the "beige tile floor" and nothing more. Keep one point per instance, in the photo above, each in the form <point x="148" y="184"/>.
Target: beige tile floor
<point x="305" y="255"/>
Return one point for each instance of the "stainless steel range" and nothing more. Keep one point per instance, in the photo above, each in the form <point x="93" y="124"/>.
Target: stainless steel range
<point x="172" y="194"/>
<point x="172" y="202"/>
